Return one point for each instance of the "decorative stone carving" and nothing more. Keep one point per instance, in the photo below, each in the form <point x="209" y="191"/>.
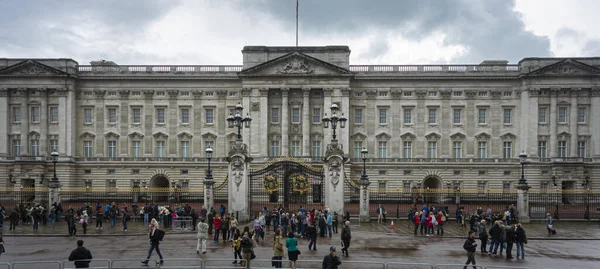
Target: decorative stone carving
<point x="408" y="136"/>
<point x="238" y="148"/>
<point x="185" y="135"/>
<point x="255" y="106"/>
<point x="470" y="94"/>
<point x="197" y="93"/>
<point x="3" y="92"/>
<point x="420" y="93"/>
<point x="87" y="135"/>
<point x="508" y="136"/>
<point x="384" y="136"/>
<point x="62" y="91"/>
<point x="433" y="136"/>
<point x="445" y="93"/>
<point x="358" y="136"/>
<point x="264" y="92"/>
<point x="34" y="135"/>
<point x="543" y="137"/>
<point x="334" y="172"/>
<point x="595" y="92"/>
<point x="209" y="136"/>
<point x="564" y="136"/>
<point x="496" y="94"/>
<point x="296" y="66"/>
<point x="111" y="135"/>
<point x="334" y="149"/>
<point x="371" y="94"/>
<point x="124" y="93"/>
<point x="237" y="170"/>
<point x="316" y="136"/>
<point x="328" y="92"/>
<point x="396" y="93"/>
<point x="173" y="93"/>
<point x="345" y="91"/>
<point x="583" y="138"/>
<point x="160" y="135"/>
<point x="99" y="93"/>
<point x="246" y="92"/>
<point x="458" y="136"/>
<point x="136" y="135"/>
<point x="221" y="93"/>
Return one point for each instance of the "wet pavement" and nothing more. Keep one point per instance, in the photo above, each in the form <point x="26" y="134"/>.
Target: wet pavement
<point x="371" y="242"/>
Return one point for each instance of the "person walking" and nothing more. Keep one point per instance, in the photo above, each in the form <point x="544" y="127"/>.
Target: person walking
<point x="470" y="246"/>
<point x="84" y="221"/>
<point x="81" y="256"/>
<point x="312" y="234"/>
<point x="549" y="225"/>
<point x="125" y="219"/>
<point x="155" y="235"/>
<point x="331" y="261"/>
<point x="277" y="249"/>
<point x="14" y="218"/>
<point x="346" y="237"/>
<point x="483" y="236"/>
<point x="233" y="223"/>
<point x="247" y="250"/>
<point x="441" y="219"/>
<point x="202" y="235"/>
<point x="335" y="222"/>
<point x="510" y="239"/>
<point x="236" y="246"/>
<point x="329" y="222"/>
<point x="495" y="234"/>
<point x="291" y="243"/>
<point x="99" y="217"/>
<point x="520" y="240"/>
<point x="417" y="221"/>
<point x="225" y="228"/>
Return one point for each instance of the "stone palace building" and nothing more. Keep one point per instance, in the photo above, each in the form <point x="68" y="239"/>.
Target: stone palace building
<point x="437" y="126"/>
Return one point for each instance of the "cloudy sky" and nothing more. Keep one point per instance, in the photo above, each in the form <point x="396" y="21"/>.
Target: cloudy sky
<point x="377" y="31"/>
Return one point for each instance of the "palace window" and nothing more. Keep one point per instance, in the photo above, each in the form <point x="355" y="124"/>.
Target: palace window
<point x="209" y="116"/>
<point x="54" y="114"/>
<point x="507" y="116"/>
<point x="581" y="113"/>
<point x="137" y="115"/>
<point x="482" y="149"/>
<point x="407" y="116"/>
<point x="160" y="148"/>
<point x="542" y="118"/>
<point x="210" y="144"/>
<point x="457" y="117"/>
<point x="432" y="149"/>
<point x="562" y="149"/>
<point x="358" y="116"/>
<point x="87" y="149"/>
<point x="581" y="149"/>
<point x="16" y="114"/>
<point x="87" y="115"/>
<point x="295" y="115"/>
<point x="407" y="149"/>
<point x="185" y="149"/>
<point x="160" y="115"/>
<point x="53" y="145"/>
<point x="382" y="116"/>
<point x="35" y="114"/>
<point x="457" y="149"/>
<point x="358" y="145"/>
<point x="316" y="115"/>
<point x="112" y="148"/>
<point x="136" y="148"/>
<point x="542" y="149"/>
<point x="316" y="149"/>
<point x="482" y="116"/>
<point x="432" y="116"/>
<point x="112" y="115"/>
<point x="457" y="94"/>
<point x="383" y="149"/>
<point x="185" y="115"/>
<point x="16" y="145"/>
<point x="562" y="115"/>
<point x="275" y="149"/>
<point x="295" y="148"/>
<point x="507" y="150"/>
<point x="275" y="115"/>
<point x="35" y="147"/>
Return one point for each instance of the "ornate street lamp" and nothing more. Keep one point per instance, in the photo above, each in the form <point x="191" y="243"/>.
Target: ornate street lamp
<point x="586" y="182"/>
<point x="364" y="179"/>
<point x="238" y="121"/>
<point x="209" y="155"/>
<point x="54" y="155"/>
<point x="523" y="159"/>
<point x="334" y="119"/>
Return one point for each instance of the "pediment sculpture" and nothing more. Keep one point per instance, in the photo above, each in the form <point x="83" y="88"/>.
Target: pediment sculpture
<point x="296" y="66"/>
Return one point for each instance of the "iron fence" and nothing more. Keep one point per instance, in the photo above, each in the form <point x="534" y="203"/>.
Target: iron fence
<point x="12" y="197"/>
<point x="564" y="204"/>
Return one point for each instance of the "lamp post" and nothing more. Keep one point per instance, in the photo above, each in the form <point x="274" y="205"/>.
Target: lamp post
<point x="208" y="180"/>
<point x="364" y="179"/>
<point x="54" y="155"/>
<point x="556" y="194"/>
<point x="522" y="159"/>
<point x="364" y="183"/>
<point x="237" y="121"/>
<point x="334" y="119"/>
<point x="585" y="184"/>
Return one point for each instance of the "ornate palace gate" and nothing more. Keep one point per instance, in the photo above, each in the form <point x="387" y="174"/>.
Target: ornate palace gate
<point x="286" y="182"/>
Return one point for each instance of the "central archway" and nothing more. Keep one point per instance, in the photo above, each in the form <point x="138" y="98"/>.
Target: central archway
<point x="159" y="189"/>
<point x="432" y="187"/>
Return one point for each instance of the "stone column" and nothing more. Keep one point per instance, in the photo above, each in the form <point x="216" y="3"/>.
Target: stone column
<point x="284" y="121"/>
<point x="5" y="141"/>
<point x="306" y="121"/>
<point x="209" y="201"/>
<point x="334" y="178"/>
<point x="523" y="204"/>
<point x="44" y="121"/>
<point x="364" y="204"/>
<point x="262" y="148"/>
<point x="238" y="181"/>
<point x="523" y="122"/>
<point x="553" y="123"/>
<point x="25" y="118"/>
<point x="53" y="192"/>
<point x="594" y="120"/>
<point x="573" y="125"/>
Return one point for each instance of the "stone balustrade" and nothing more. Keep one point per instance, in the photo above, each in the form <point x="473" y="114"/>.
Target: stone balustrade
<point x="433" y="68"/>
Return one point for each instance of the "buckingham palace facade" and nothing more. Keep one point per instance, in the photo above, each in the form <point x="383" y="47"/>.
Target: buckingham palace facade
<point x="432" y="126"/>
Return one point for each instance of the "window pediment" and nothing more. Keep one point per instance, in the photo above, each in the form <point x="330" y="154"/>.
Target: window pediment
<point x="111" y="135"/>
<point x="508" y="136"/>
<point x="543" y="137"/>
<point x="209" y="136"/>
<point x="34" y="135"/>
<point x="358" y="136"/>
<point x="583" y="138"/>
<point x="408" y="136"/>
<point x="458" y="136"/>
<point x="87" y="135"/>
<point x="316" y="136"/>
<point x="383" y="135"/>
<point x="136" y="135"/>
<point x="231" y="136"/>
<point x="184" y="135"/>
<point x="433" y="136"/>
<point x="160" y="135"/>
<point x="483" y="136"/>
<point x="274" y="136"/>
<point x="564" y="136"/>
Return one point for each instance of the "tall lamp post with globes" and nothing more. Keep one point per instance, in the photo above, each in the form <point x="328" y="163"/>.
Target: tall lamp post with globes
<point x="334" y="162"/>
<point x="239" y="122"/>
<point x="54" y="184"/>
<point x="522" y="188"/>
<point x="209" y="182"/>
<point x="585" y="185"/>
<point x="334" y="120"/>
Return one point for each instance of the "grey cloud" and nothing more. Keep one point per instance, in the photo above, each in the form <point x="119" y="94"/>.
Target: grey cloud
<point x="35" y="28"/>
<point x="591" y="48"/>
<point x="488" y="29"/>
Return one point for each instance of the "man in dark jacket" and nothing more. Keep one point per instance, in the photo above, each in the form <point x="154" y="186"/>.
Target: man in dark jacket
<point x="155" y="237"/>
<point x="483" y="236"/>
<point x="510" y="239"/>
<point x="495" y="234"/>
<point x="346" y="237"/>
<point x="331" y="261"/>
<point x="14" y="218"/>
<point x="81" y="256"/>
<point x="470" y="246"/>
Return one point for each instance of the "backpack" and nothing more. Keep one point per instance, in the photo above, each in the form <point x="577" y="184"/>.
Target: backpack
<point x="444" y="217"/>
<point x="160" y="234"/>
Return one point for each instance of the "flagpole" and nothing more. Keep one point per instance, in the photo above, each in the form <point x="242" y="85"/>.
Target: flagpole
<point x="296" y="23"/>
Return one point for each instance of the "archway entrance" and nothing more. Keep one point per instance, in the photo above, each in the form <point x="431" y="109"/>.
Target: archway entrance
<point x="159" y="189"/>
<point x="432" y="187"/>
